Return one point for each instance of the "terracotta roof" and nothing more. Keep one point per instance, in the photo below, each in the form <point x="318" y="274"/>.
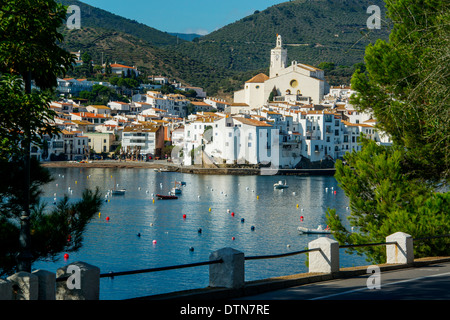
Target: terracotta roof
<point x="259" y="78"/>
<point x="252" y="122"/>
<point x="116" y="65"/>
<point x="142" y="128"/>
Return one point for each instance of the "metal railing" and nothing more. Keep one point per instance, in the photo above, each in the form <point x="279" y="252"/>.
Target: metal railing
<point x="274" y="256"/>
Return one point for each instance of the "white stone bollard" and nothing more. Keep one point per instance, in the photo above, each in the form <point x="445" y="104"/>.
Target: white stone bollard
<point x="47" y="284"/>
<point x="26" y="284"/>
<point x="83" y="282"/>
<point x="403" y="252"/>
<point x="231" y="272"/>
<point x="6" y="290"/>
<point x="326" y="260"/>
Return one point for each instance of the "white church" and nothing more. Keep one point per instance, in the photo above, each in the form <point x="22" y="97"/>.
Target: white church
<point x="297" y="83"/>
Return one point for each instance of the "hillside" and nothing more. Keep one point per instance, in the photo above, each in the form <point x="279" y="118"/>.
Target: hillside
<point x="314" y="31"/>
<point x="92" y="17"/>
<point x="127" y="49"/>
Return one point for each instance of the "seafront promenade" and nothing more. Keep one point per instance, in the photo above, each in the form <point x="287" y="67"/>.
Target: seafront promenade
<point x="195" y="169"/>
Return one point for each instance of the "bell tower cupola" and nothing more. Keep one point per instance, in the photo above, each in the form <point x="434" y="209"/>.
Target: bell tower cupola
<point x="278" y="58"/>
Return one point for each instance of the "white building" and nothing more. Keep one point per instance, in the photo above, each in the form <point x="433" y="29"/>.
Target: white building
<point x="147" y="138"/>
<point x="119" y="107"/>
<point x="297" y="83"/>
<point x="118" y="69"/>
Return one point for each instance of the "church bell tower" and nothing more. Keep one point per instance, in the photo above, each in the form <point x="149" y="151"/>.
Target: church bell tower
<point x="278" y="58"/>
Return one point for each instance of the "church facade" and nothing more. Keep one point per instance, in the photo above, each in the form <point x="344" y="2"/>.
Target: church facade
<point x="296" y="83"/>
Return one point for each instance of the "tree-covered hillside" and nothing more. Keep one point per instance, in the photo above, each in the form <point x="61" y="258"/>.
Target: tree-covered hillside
<point x="314" y="31"/>
<point x="92" y="17"/>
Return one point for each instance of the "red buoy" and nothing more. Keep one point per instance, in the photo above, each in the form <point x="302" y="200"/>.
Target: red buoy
<point x="232" y="214"/>
<point x="301" y="218"/>
<point x="107" y="218"/>
<point x="184" y="216"/>
<point x="233" y="238"/>
<point x="66" y="256"/>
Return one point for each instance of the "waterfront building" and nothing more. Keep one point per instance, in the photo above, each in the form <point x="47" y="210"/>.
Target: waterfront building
<point x="147" y="138"/>
<point x="101" y="142"/>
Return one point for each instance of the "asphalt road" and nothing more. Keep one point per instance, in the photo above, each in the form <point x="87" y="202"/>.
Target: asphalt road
<point x="430" y="282"/>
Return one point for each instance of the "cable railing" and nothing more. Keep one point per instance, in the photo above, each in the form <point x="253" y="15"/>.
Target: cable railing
<point x="247" y="258"/>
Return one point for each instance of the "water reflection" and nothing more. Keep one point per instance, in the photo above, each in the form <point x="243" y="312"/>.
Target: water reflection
<point x="114" y="245"/>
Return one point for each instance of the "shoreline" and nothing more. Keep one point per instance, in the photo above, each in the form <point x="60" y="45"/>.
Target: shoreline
<point x="165" y="166"/>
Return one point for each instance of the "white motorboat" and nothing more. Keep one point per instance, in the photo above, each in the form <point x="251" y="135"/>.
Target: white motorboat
<point x="119" y="192"/>
<point x="280" y="185"/>
<point x="319" y="230"/>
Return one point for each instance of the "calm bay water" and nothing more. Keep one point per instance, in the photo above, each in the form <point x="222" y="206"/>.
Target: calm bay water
<point x="115" y="246"/>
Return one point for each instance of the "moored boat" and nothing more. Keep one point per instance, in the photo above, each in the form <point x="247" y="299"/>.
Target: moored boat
<point x="164" y="197"/>
<point x="319" y="230"/>
<point x="280" y="185"/>
<point x="119" y="192"/>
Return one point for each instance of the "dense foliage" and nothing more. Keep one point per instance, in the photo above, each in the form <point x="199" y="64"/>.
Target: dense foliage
<point x="384" y="200"/>
<point x="405" y="84"/>
<point x="29" y="52"/>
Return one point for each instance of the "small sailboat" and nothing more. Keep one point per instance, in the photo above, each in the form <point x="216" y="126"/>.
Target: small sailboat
<point x="117" y="192"/>
<point x="281" y="185"/>
<point x="176" y="189"/>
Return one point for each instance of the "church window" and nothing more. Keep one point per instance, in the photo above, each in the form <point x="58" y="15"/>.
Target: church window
<point x="294" y="83"/>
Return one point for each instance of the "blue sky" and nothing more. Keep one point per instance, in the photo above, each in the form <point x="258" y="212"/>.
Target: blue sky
<point x="195" y="16"/>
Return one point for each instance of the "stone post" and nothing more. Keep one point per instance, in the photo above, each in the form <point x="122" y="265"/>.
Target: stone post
<point x="47" y="284"/>
<point x="403" y="252"/>
<point x="6" y="290"/>
<point x="83" y="282"/>
<point x="25" y="286"/>
<point x="231" y="272"/>
<point x="327" y="259"/>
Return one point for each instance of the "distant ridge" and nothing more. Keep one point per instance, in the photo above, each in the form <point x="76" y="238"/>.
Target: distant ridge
<point x="186" y="36"/>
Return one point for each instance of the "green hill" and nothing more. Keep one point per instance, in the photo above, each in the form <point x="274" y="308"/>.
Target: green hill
<point x="92" y="17"/>
<point x="127" y="49"/>
<point x="314" y="31"/>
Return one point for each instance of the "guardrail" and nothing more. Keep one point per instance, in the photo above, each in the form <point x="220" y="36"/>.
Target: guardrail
<point x="226" y="269"/>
